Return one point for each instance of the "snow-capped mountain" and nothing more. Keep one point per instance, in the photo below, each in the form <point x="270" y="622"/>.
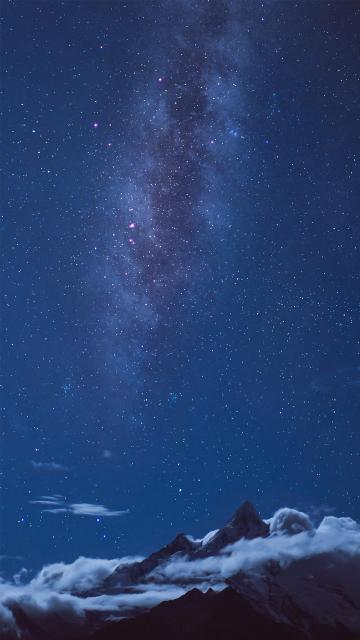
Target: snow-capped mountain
<point x="282" y="578"/>
<point x="245" y="523"/>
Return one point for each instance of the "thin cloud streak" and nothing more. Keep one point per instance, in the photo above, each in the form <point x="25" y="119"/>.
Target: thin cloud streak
<point x="58" y="505"/>
<point x="48" y="466"/>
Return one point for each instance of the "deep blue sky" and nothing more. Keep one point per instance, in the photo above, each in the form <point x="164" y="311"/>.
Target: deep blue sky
<point x="180" y="267"/>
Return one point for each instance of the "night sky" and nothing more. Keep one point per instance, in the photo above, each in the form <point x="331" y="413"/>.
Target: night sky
<point x="180" y="270"/>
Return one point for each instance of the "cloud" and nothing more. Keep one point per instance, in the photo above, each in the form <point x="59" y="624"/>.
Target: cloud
<point x="333" y="536"/>
<point x="7" y="620"/>
<point x="86" y="509"/>
<point x="79" y="576"/>
<point x="48" y="466"/>
<point x="55" y="499"/>
<point x="57" y="504"/>
<point x="20" y="576"/>
<point x="57" y="588"/>
<point x="52" y="596"/>
<point x="47" y="608"/>
<point x="290" y="521"/>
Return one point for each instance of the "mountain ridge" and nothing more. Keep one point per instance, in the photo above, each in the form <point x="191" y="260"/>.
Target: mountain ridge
<point x="245" y="523"/>
<point x="279" y="574"/>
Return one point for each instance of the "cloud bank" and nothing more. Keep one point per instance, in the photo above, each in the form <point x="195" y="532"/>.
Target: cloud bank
<point x="284" y="545"/>
<point x="63" y="589"/>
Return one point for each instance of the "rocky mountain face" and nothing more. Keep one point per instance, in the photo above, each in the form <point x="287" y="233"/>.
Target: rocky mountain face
<point x="134" y="573"/>
<point x="225" y="615"/>
<point x="200" y="616"/>
<point x="245" y="523"/>
<point x="307" y="598"/>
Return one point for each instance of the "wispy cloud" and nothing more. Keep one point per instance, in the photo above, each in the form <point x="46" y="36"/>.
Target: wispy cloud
<point x="55" y="499"/>
<point x="48" y="466"/>
<point x="57" y="504"/>
<point x="87" y="509"/>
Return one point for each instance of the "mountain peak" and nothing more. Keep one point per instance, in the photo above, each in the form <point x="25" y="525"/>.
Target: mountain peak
<point x="245" y="514"/>
<point x="180" y="543"/>
<point x="245" y="523"/>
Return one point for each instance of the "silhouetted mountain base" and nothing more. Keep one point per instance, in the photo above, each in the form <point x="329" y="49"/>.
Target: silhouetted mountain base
<point x="212" y="616"/>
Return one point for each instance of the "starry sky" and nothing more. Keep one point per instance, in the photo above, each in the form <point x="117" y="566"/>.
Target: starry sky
<point x="180" y="269"/>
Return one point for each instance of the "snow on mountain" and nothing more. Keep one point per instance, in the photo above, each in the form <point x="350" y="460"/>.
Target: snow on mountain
<point x="303" y="579"/>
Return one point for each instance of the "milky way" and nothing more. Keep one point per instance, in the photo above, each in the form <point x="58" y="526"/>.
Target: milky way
<point x="180" y="272"/>
<point x="173" y="210"/>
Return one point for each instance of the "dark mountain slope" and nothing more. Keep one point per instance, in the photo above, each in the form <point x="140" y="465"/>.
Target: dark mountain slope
<point x="212" y="616"/>
<point x="245" y="523"/>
